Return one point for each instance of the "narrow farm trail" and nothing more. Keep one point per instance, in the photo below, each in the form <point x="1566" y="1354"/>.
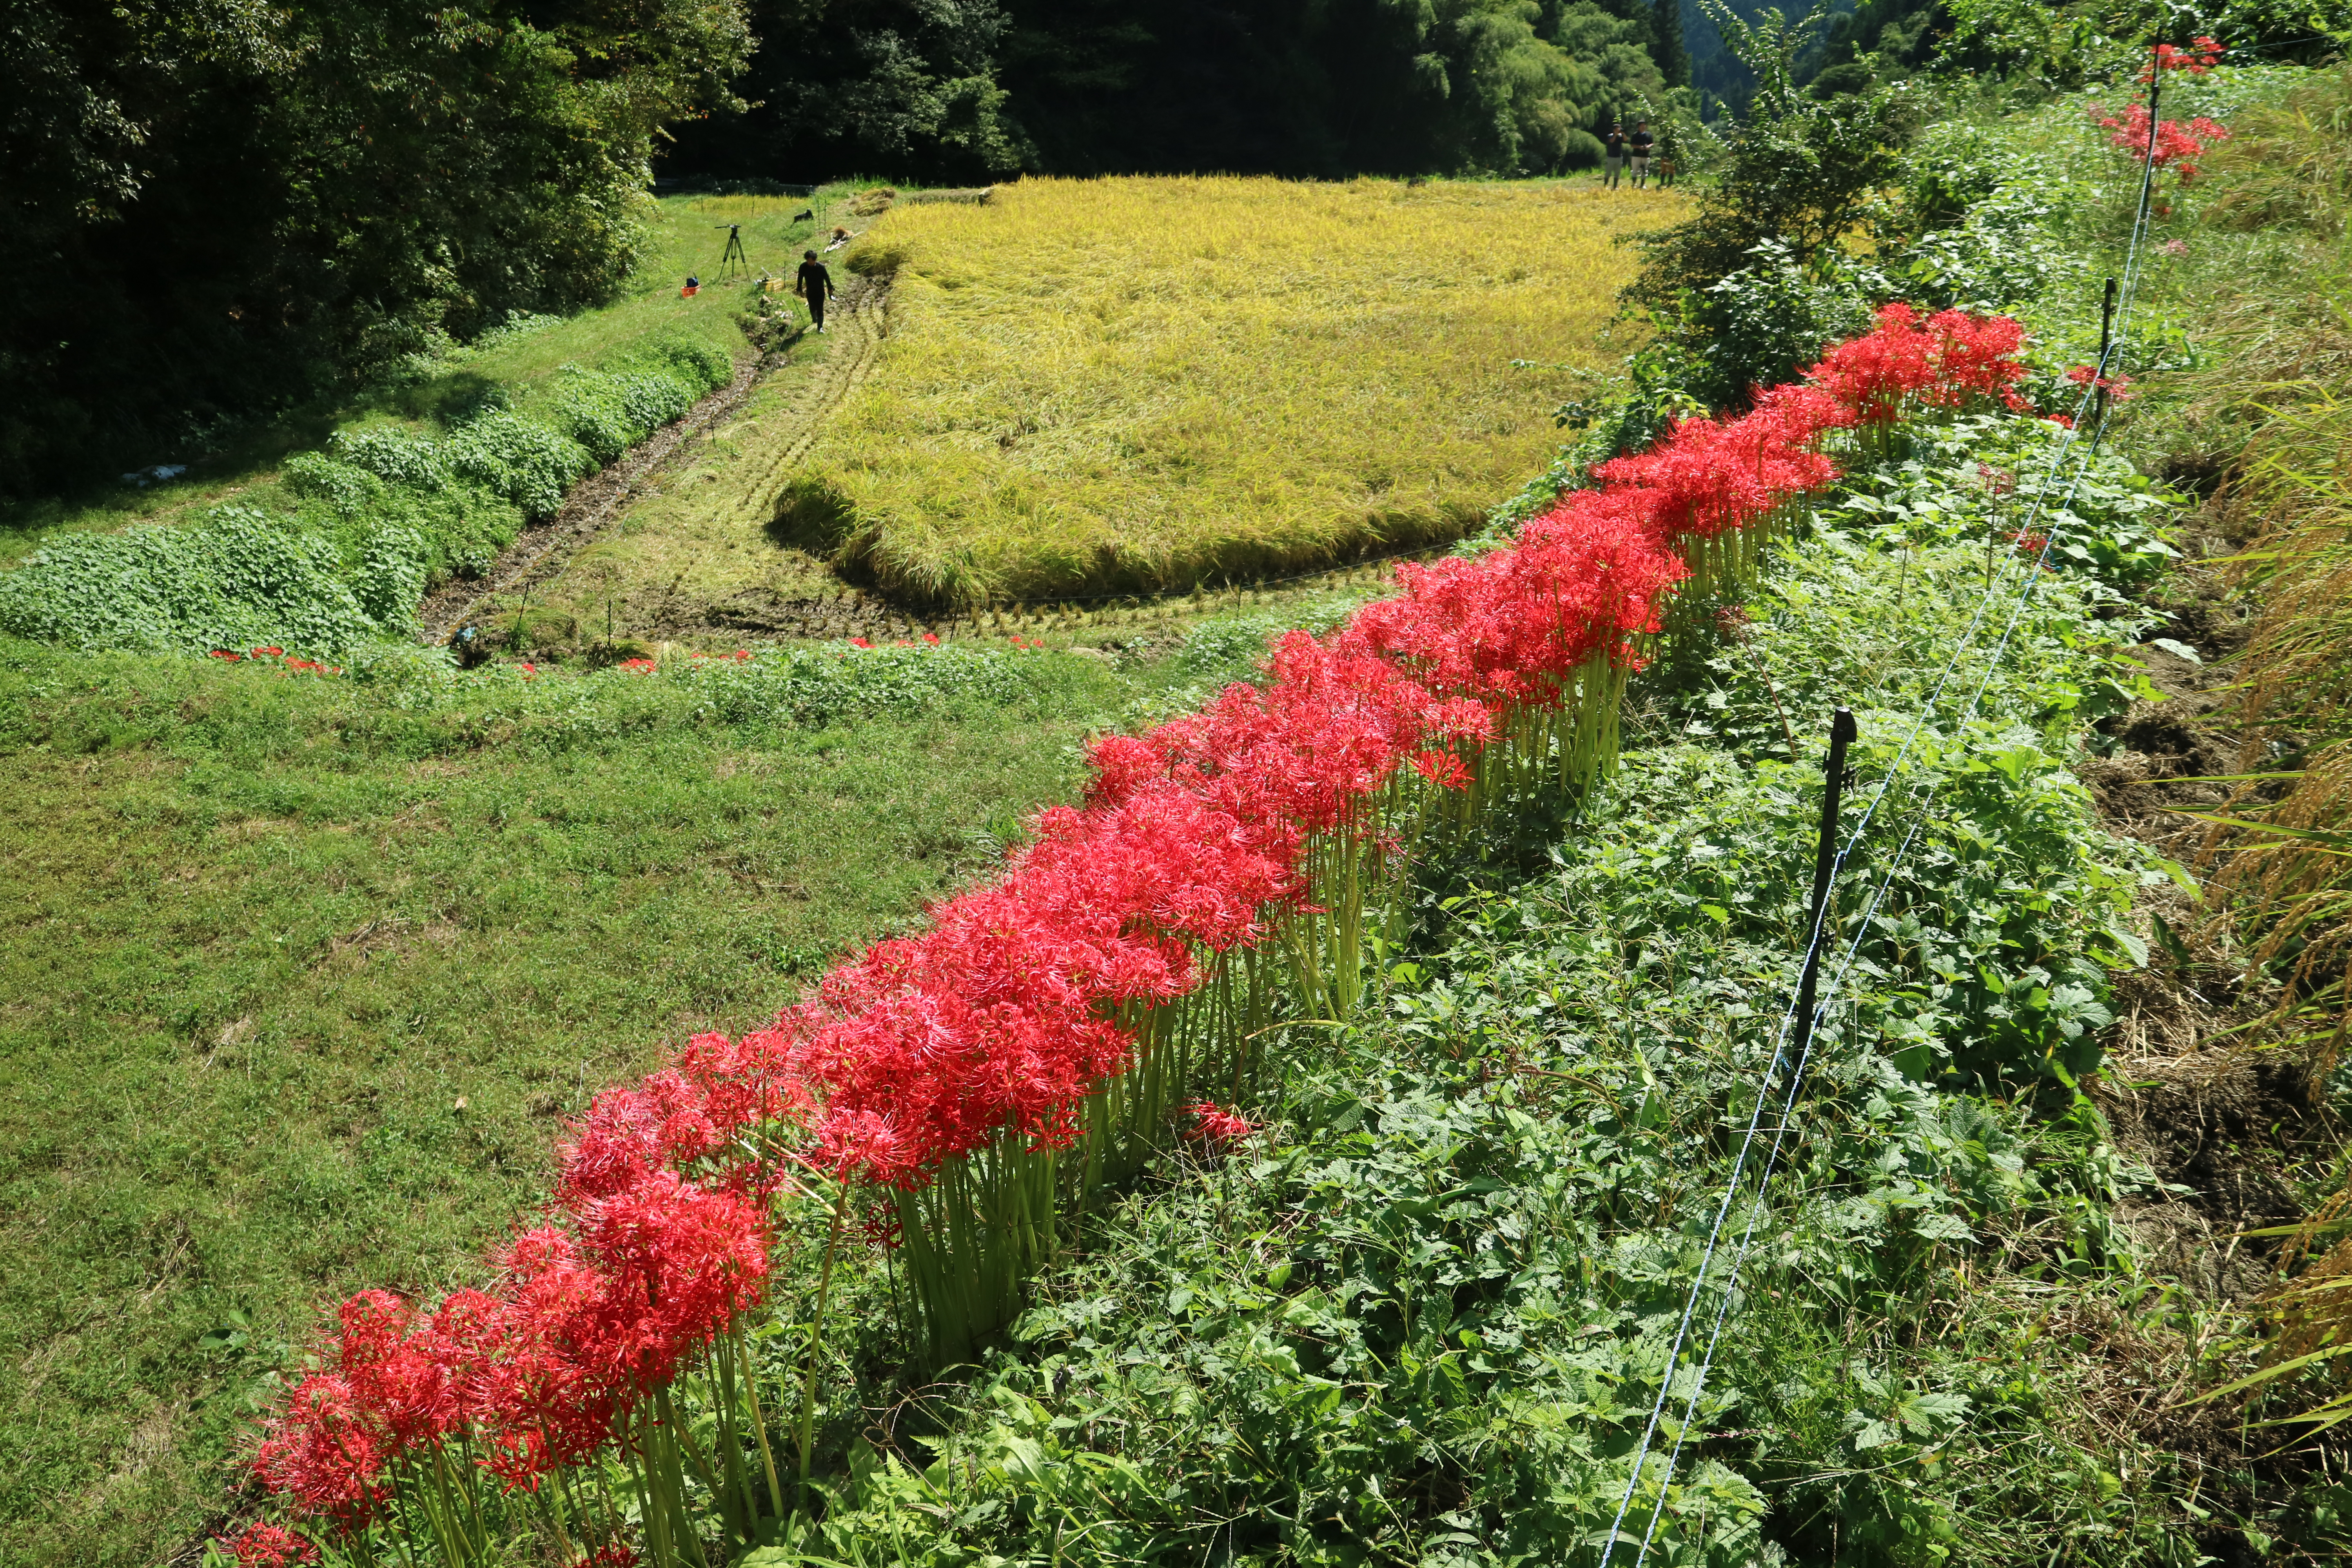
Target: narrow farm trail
<point x="857" y="327"/>
<point x="597" y="502"/>
<point x="591" y="506"/>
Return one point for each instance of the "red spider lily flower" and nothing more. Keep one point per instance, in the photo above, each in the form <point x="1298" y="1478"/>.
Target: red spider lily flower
<point x="638" y="666"/>
<point x="859" y="642"/>
<point x="2028" y="543"/>
<point x="2113" y="385"/>
<point x="1217" y="1126"/>
<point x="2173" y="145"/>
<point x="2202" y="56"/>
<point x="932" y="638"/>
<point x="549" y="1399"/>
<point x="2064" y="421"/>
<point x="1948" y="359"/>
<point x="677" y="1263"/>
<point x="742" y="655"/>
<point x="681" y="1115"/>
<point x="324" y="1453"/>
<point x="264" y="1545"/>
<point x="528" y="671"/>
<point x="224" y="653"/>
<point x="614" y="1554"/>
<point x="268" y="652"/>
<point x="1443" y="768"/>
<point x="590" y="1324"/>
<point x="880" y="1225"/>
<point x="1122" y="765"/>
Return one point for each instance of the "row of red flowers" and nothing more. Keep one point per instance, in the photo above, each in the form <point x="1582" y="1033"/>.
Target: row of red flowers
<point x="996" y="1023"/>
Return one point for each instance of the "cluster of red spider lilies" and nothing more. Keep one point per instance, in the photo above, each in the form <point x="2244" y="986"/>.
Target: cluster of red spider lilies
<point x="954" y="1094"/>
<point x="286" y="665"/>
<point x="2174" y="143"/>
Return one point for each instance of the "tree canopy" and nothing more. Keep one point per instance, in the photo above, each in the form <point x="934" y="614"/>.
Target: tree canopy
<point x="211" y="202"/>
<point x="971" y="89"/>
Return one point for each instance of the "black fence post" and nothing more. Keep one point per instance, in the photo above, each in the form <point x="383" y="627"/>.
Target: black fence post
<point x="1842" y="732"/>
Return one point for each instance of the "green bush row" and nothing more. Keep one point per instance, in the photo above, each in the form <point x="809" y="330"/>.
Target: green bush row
<point x="379" y="514"/>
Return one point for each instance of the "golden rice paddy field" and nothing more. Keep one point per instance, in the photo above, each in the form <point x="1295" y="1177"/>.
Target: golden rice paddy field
<point x="1140" y="384"/>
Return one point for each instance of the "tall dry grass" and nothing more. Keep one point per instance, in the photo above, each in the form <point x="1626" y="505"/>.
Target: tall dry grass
<point x="1138" y="384"/>
<point x="2283" y="386"/>
<point x="2275" y="409"/>
<point x="2283" y="849"/>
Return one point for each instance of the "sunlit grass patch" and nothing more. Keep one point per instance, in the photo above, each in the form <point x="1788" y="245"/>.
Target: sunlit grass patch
<point x="1136" y="385"/>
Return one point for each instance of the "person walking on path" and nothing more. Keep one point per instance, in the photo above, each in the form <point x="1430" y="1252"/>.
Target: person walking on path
<point x="1639" y="145"/>
<point x="1616" y="159"/>
<point x="815" y="284"/>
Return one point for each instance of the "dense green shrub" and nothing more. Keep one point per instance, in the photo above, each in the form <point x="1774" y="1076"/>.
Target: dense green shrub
<point x="520" y="458"/>
<point x="1765" y="324"/>
<point x="394" y="453"/>
<point x="347" y="488"/>
<point x="385" y="510"/>
<point x="238" y="578"/>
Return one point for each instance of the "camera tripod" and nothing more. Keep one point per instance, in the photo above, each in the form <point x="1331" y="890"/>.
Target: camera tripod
<point x="733" y="255"/>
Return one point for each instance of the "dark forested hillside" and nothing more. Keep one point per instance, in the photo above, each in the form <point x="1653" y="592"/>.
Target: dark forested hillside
<point x="211" y="202"/>
<point x="914" y="89"/>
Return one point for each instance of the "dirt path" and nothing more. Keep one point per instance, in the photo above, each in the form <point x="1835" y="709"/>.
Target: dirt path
<point x="857" y="328"/>
<point x="596" y="502"/>
<point x="588" y="510"/>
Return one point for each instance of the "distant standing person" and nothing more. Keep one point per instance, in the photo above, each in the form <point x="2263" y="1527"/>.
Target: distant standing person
<point x="1669" y="149"/>
<point x="1639" y="145"/>
<point x="815" y="284"/>
<point x="1616" y="159"/>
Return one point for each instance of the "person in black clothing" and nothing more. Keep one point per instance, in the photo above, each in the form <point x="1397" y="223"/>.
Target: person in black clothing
<point x="1616" y="159"/>
<point x="1640" y="144"/>
<point x="813" y="284"/>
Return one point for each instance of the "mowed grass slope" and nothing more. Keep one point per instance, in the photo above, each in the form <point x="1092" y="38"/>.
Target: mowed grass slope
<point x="299" y="980"/>
<point x="1136" y="385"/>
